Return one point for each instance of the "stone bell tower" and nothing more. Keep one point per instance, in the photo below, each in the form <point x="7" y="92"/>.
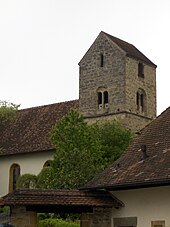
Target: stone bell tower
<point x="117" y="81"/>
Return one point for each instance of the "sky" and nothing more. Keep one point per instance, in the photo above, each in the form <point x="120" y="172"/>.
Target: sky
<point x="42" y="42"/>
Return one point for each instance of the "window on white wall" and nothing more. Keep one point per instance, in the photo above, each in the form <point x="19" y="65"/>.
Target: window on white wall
<point x="14" y="174"/>
<point x="158" y="223"/>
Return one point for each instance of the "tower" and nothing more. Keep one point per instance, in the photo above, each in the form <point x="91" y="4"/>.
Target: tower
<point x="117" y="81"/>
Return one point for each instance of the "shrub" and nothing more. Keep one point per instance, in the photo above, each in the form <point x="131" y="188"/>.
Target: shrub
<point x="7" y="111"/>
<point x="27" y="181"/>
<point x="45" y="178"/>
<point x="57" y="223"/>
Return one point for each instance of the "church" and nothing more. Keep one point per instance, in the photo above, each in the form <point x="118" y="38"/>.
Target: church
<point x="116" y="81"/>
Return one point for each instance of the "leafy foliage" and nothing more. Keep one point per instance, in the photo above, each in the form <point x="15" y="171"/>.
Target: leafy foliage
<point x="56" y="223"/>
<point x="7" y="111"/>
<point x="114" y="140"/>
<point x="45" y="178"/>
<point x="27" y="181"/>
<point x="83" y="150"/>
<point x="77" y="157"/>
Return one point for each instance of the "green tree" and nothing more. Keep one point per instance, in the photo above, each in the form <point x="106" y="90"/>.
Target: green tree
<point x="45" y="178"/>
<point x="7" y="111"/>
<point x="114" y="140"/>
<point x="78" y="152"/>
<point x="27" y="181"/>
<point x="83" y="150"/>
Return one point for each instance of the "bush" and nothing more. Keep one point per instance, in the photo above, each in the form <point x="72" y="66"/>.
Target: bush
<point x="57" y="223"/>
<point x="27" y="181"/>
<point x="45" y="178"/>
<point x="7" y="111"/>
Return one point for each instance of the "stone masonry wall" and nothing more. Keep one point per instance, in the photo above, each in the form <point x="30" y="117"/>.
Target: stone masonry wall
<point x="134" y="82"/>
<point x="118" y="76"/>
<point x="110" y="77"/>
<point x="128" y="120"/>
<point x="101" y="217"/>
<point x="22" y="218"/>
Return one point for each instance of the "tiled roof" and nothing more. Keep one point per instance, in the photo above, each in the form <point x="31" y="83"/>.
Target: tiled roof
<point x="30" y="131"/>
<point x="61" y="198"/>
<point x="131" y="50"/>
<point x="130" y="170"/>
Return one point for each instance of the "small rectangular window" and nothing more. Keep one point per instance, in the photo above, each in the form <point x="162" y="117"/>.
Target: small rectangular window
<point x="158" y="224"/>
<point x="101" y="60"/>
<point x="140" y="70"/>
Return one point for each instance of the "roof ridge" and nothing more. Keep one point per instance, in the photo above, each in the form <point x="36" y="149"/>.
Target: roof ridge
<point x="111" y="36"/>
<point x="129" y="49"/>
<point x="47" y="105"/>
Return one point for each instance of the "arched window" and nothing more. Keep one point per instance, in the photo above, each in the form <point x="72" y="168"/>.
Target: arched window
<point x="47" y="163"/>
<point x="103" y="98"/>
<point x="106" y="98"/>
<point x="13" y="177"/>
<point x="99" y="98"/>
<point x="141" y="100"/>
<point x="137" y="100"/>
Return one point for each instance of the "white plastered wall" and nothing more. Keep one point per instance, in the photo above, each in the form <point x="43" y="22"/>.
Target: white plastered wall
<point x="150" y="204"/>
<point x="29" y="163"/>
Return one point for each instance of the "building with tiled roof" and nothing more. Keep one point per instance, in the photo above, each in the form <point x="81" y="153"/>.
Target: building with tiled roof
<point x="133" y="191"/>
<point x="25" y="145"/>
<point x="140" y="178"/>
<point x="30" y="132"/>
<point x="146" y="163"/>
<point x="116" y="81"/>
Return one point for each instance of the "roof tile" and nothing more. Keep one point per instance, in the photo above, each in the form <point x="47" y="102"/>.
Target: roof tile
<point x="131" y="50"/>
<point x="30" y="132"/>
<point x="44" y="197"/>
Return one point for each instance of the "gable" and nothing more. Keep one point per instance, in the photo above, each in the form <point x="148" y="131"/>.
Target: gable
<point x="123" y="46"/>
<point x="102" y="44"/>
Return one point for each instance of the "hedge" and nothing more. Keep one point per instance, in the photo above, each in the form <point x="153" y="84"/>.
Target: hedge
<point x="50" y="222"/>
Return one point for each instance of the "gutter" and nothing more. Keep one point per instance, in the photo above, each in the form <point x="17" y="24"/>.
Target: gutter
<point x="127" y="186"/>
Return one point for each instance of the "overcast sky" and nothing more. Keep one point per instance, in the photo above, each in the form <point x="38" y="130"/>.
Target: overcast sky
<point x="42" y="41"/>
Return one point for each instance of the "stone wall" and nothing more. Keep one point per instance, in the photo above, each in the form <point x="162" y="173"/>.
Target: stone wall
<point x="101" y="217"/>
<point x="146" y="83"/>
<point x="110" y="77"/>
<point x="118" y="75"/>
<point x="129" y="120"/>
<point x="22" y="218"/>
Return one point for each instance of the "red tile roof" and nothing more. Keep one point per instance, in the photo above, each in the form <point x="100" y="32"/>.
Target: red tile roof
<point x="61" y="198"/>
<point x="130" y="170"/>
<point x="131" y="50"/>
<point x="30" y="132"/>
